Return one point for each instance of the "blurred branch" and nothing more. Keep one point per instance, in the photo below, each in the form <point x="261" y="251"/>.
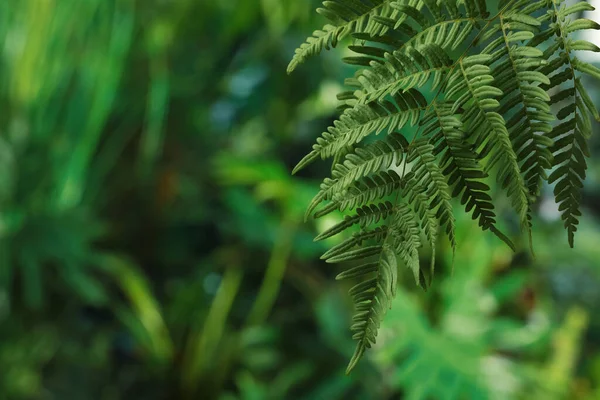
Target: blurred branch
<point x="201" y="347"/>
<point x="159" y="38"/>
<point x="561" y="367"/>
<point x="269" y="289"/>
<point x="145" y="306"/>
<point x="103" y="86"/>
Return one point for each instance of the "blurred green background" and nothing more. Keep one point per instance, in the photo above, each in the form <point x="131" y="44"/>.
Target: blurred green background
<point x="152" y="242"/>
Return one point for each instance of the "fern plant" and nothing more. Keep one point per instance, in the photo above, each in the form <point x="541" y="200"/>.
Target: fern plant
<point x="491" y="94"/>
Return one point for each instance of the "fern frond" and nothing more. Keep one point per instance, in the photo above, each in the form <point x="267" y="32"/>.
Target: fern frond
<point x="361" y="163"/>
<point x="493" y="112"/>
<point x="461" y="166"/>
<point x="373" y="298"/>
<point x="410" y="67"/>
<point x="363" y="120"/>
<point x="472" y="84"/>
<point x="405" y="231"/>
<point x="347" y="16"/>
<point x="372" y="158"/>
<point x="365" y="216"/>
<point x="418" y="199"/>
<point x="324" y="38"/>
<point x="447" y="30"/>
<point x="363" y="192"/>
<point x="429" y="180"/>
<point x="376" y="235"/>
<point x="517" y="76"/>
<point x="571" y="134"/>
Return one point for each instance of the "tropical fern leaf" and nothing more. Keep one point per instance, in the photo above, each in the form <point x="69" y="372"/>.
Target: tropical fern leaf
<point x="488" y="128"/>
<point x="359" y="122"/>
<point x="373" y="298"/>
<point x="365" y="216"/>
<point x="364" y="192"/>
<point x="347" y="17"/>
<point x="497" y="96"/>
<point x="576" y="110"/>
<point x="429" y="180"/>
<point x="518" y="77"/>
<point x="460" y="164"/>
<point x="365" y="161"/>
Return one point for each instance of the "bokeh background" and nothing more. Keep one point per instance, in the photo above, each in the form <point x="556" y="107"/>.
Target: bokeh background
<point x="152" y="242"/>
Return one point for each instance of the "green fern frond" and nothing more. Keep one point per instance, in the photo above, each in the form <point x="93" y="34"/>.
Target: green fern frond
<point x="324" y="38"/>
<point x="418" y="199"/>
<point x="364" y="192"/>
<point x="365" y="216"/>
<point x="429" y="180"/>
<point x="372" y="298"/>
<point x="376" y="235"/>
<point x="360" y="164"/>
<point x="347" y="16"/>
<point x="460" y="164"/>
<point x="447" y="30"/>
<point x="512" y="105"/>
<point x="488" y="128"/>
<point x="402" y="70"/>
<point x="372" y="158"/>
<point x="359" y="122"/>
<point x="571" y="134"/>
<point x="518" y="77"/>
<point x="405" y="231"/>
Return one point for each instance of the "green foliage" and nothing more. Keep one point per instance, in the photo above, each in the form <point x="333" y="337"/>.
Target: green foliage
<point x="151" y="237"/>
<point x="459" y="354"/>
<point x="489" y="92"/>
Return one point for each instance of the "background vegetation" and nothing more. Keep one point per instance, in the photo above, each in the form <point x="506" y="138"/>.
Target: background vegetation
<point x="152" y="243"/>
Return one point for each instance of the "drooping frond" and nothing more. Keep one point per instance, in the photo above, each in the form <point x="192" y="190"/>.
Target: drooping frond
<point x="460" y="164"/>
<point x="576" y="109"/>
<point x="525" y="101"/>
<point x="428" y="179"/>
<point x="364" y="192"/>
<point x="365" y="216"/>
<point x="374" y="294"/>
<point x="405" y="231"/>
<point x="483" y="96"/>
<point x="410" y="67"/>
<point x="373" y="298"/>
<point x="360" y="164"/>
<point x="346" y="17"/>
<point x="471" y="85"/>
<point x="324" y="38"/>
<point x="359" y="122"/>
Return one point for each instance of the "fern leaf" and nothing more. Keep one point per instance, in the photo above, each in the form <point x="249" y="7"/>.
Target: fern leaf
<point x="363" y="120"/>
<point x="460" y="164"/>
<point x="372" y="300"/>
<point x="374" y="296"/>
<point x="518" y="77"/>
<point x="488" y="128"/>
<point x="571" y="134"/>
<point x="375" y="235"/>
<point x="405" y="231"/>
<point x="429" y="179"/>
<point x="408" y="68"/>
<point x="364" y="192"/>
<point x="347" y="16"/>
<point x="365" y="216"/>
<point x="359" y="164"/>
<point x="324" y="38"/>
<point x="493" y="112"/>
